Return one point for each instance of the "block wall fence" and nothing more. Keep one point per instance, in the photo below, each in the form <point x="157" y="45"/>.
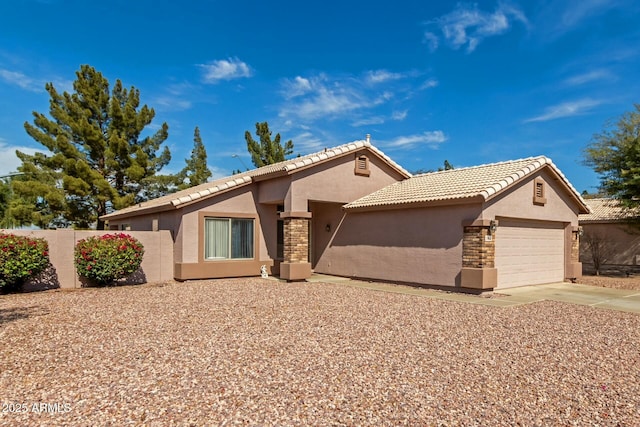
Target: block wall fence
<point x="157" y="262"/>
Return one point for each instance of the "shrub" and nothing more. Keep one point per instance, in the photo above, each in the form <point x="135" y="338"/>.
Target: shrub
<point x="21" y="258"/>
<point x="107" y="258"/>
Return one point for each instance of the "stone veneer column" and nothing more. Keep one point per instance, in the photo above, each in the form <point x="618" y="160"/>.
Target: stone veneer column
<point x="478" y="255"/>
<point x="574" y="270"/>
<point x="478" y="248"/>
<point x="296" y="265"/>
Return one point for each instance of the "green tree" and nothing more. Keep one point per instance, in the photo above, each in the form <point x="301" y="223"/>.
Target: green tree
<point x="196" y="170"/>
<point x="38" y="197"/>
<point x="5" y="198"/>
<point x="265" y="151"/>
<point x="98" y="158"/>
<point x="615" y="155"/>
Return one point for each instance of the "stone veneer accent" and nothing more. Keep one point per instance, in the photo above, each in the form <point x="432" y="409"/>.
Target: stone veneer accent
<point x="575" y="246"/>
<point x="477" y="251"/>
<point x="296" y="240"/>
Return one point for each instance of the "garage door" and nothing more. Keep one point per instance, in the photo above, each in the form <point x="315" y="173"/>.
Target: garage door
<point x="529" y="253"/>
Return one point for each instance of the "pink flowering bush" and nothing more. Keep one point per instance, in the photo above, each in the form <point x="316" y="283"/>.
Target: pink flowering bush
<point x="107" y="258"/>
<point x="21" y="258"/>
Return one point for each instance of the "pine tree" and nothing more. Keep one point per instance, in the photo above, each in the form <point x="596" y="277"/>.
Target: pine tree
<point x="5" y="198"/>
<point x="196" y="171"/>
<point x="38" y="197"/>
<point x="98" y="160"/>
<point x="266" y="152"/>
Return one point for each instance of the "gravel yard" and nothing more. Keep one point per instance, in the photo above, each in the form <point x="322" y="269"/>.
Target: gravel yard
<point x="256" y="352"/>
<point x="617" y="282"/>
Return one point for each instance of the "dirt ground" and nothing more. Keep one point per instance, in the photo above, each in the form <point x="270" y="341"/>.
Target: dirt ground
<point x="617" y="282"/>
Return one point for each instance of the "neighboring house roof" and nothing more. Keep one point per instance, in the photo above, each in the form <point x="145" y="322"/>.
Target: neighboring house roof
<point x="218" y="186"/>
<point x="459" y="185"/>
<point x="607" y="210"/>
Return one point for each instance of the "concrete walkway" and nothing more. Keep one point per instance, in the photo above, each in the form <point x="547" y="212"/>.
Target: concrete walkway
<point x="612" y="299"/>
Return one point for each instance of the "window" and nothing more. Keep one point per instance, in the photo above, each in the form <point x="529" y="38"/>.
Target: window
<point x="362" y="166"/>
<point x="280" y="239"/>
<point x="228" y="238"/>
<point x="280" y="233"/>
<point x="539" y="192"/>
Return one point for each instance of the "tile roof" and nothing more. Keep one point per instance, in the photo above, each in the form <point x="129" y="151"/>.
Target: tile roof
<point x="483" y="181"/>
<point x="286" y="167"/>
<point x="607" y="210"/>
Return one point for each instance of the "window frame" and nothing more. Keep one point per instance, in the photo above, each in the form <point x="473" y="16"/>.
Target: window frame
<point x="230" y="220"/>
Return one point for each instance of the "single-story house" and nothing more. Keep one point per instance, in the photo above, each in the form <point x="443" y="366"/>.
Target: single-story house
<point x="352" y="211"/>
<point x="611" y="234"/>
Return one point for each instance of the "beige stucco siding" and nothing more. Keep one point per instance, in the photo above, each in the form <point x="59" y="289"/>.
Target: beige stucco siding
<point x="240" y="201"/>
<point x="517" y="202"/>
<point x="273" y="191"/>
<point x="422" y="245"/>
<point x="335" y="181"/>
<point x="619" y="242"/>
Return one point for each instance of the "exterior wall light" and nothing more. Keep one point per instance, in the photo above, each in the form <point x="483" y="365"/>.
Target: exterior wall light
<point x="493" y="226"/>
<point x="327" y="228"/>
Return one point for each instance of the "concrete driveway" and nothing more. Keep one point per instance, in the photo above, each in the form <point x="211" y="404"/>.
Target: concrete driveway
<point x="612" y="299"/>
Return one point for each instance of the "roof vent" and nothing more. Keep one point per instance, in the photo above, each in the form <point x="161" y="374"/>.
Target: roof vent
<point x="368" y="138"/>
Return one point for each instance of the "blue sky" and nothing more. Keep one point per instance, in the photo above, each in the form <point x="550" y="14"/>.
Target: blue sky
<point x="472" y="83"/>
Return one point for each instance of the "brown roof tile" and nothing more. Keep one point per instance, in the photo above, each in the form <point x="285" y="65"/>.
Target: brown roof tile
<point x="607" y="210"/>
<point x="483" y="181"/>
<point x="221" y="185"/>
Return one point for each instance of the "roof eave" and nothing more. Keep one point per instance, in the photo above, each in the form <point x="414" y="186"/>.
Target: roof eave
<point x="369" y="148"/>
<point x="138" y="212"/>
<point x="512" y="180"/>
<point x="475" y="199"/>
<point x="174" y="204"/>
<point x="573" y="193"/>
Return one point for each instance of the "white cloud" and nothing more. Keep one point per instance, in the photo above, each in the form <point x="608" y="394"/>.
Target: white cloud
<point x="432" y="40"/>
<point x="167" y="103"/>
<point x="429" y="84"/>
<point x="565" y="109"/>
<point x="399" y="115"/>
<point x="590" y="76"/>
<point x="19" y="79"/>
<point x="296" y="87"/>
<point x="306" y="142"/>
<point x="348" y="97"/>
<point x="217" y="172"/>
<point x="329" y="101"/>
<point x="376" y="120"/>
<point x="559" y="17"/>
<point x="432" y="139"/>
<point x="321" y="96"/>
<point x="380" y="76"/>
<point x="225" y="69"/>
<point x="579" y="10"/>
<point x="9" y="162"/>
<point x="468" y="26"/>
<point x="175" y="98"/>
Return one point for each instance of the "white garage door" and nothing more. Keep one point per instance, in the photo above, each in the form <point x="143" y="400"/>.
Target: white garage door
<point x="529" y="253"/>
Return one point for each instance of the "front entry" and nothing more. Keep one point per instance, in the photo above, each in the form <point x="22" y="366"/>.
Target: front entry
<point x="324" y="226"/>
